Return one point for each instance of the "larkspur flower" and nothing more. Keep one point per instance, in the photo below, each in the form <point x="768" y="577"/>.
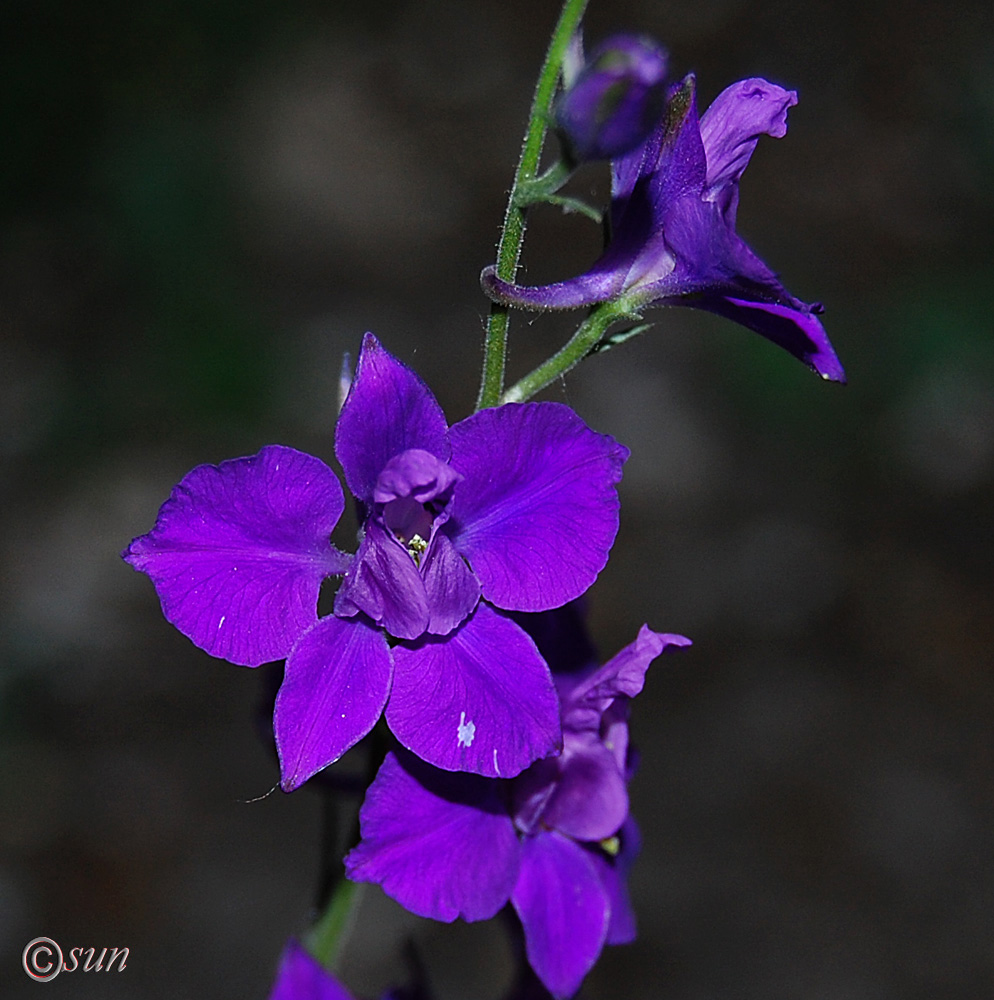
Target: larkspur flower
<point x="673" y="211"/>
<point x="556" y="841"/>
<point x="517" y="504"/>
<point x="615" y="101"/>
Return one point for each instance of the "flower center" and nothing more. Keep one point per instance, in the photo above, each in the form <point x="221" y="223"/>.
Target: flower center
<point x="414" y="488"/>
<point x="410" y="523"/>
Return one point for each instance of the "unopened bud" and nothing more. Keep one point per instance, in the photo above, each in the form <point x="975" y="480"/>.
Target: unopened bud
<point x="615" y="101"/>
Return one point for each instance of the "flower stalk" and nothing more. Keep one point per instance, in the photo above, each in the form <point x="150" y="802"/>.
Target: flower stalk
<point x="328" y="935"/>
<point x="513" y="230"/>
<point x="588" y="335"/>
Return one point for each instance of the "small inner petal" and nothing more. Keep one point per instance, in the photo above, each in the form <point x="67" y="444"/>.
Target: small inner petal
<point x="407" y="519"/>
<point x="416" y="474"/>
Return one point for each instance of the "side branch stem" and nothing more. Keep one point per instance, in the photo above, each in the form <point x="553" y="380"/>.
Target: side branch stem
<point x="588" y="335"/>
<point x="513" y="232"/>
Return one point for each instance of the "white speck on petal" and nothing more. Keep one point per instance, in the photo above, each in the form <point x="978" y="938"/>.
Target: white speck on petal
<point x="221" y="622"/>
<point x="466" y="731"/>
<point x="496" y="765"/>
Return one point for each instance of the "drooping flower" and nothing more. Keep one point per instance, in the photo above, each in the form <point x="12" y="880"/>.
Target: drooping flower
<point x="615" y="101"/>
<point x="556" y="841"/>
<point x="673" y="209"/>
<point x="517" y="504"/>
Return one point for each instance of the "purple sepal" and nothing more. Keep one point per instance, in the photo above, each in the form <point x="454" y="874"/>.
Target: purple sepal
<point x="796" y="329"/>
<point x="479" y="700"/>
<point x="389" y="410"/>
<point x="302" y="977"/>
<point x="239" y="550"/>
<point x="730" y="130"/>
<point x="535" y="517"/>
<point x="615" y="101"/>
<point x="586" y="698"/>
<point x="441" y="844"/>
<point x="383" y="582"/>
<point x="564" y="910"/>
<point x="334" y="688"/>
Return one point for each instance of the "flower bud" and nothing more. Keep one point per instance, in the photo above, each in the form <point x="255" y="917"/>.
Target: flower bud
<point x="615" y="101"/>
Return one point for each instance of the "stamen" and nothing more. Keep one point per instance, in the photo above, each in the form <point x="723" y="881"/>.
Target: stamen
<point x="416" y="548"/>
<point x="611" y="846"/>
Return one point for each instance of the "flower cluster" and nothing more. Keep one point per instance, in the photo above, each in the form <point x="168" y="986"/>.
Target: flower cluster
<point x="456" y="617"/>
<point x="556" y="841"/>
<point x="511" y="509"/>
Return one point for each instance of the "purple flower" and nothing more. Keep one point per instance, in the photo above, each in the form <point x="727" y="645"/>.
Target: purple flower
<point x="673" y="209"/>
<point x="615" y="101"/>
<point x="302" y="977"/>
<point x="556" y="841"/>
<point x="517" y="504"/>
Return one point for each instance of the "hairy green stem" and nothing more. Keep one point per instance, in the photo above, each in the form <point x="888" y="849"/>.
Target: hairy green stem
<point x="513" y="232"/>
<point x="588" y="335"/>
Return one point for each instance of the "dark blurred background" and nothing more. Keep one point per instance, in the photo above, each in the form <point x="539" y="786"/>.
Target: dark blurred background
<point x="205" y="204"/>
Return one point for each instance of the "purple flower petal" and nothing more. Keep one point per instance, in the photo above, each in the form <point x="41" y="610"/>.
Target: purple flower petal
<point x="590" y="800"/>
<point x="335" y="686"/>
<point x="564" y="911"/>
<point x="585" y="699"/>
<point x="383" y="581"/>
<point x="239" y="550"/>
<point x="537" y="512"/>
<point x="414" y="474"/>
<point x="302" y="977"/>
<point x="441" y="844"/>
<point x="730" y="129"/>
<point x="480" y="700"/>
<point x="451" y="587"/>
<point x="797" y="330"/>
<point x="388" y="410"/>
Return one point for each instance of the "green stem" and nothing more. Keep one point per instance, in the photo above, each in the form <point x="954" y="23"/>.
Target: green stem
<point x="513" y="232"/>
<point x="328" y="935"/>
<point x="587" y="336"/>
<point x="528" y="192"/>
